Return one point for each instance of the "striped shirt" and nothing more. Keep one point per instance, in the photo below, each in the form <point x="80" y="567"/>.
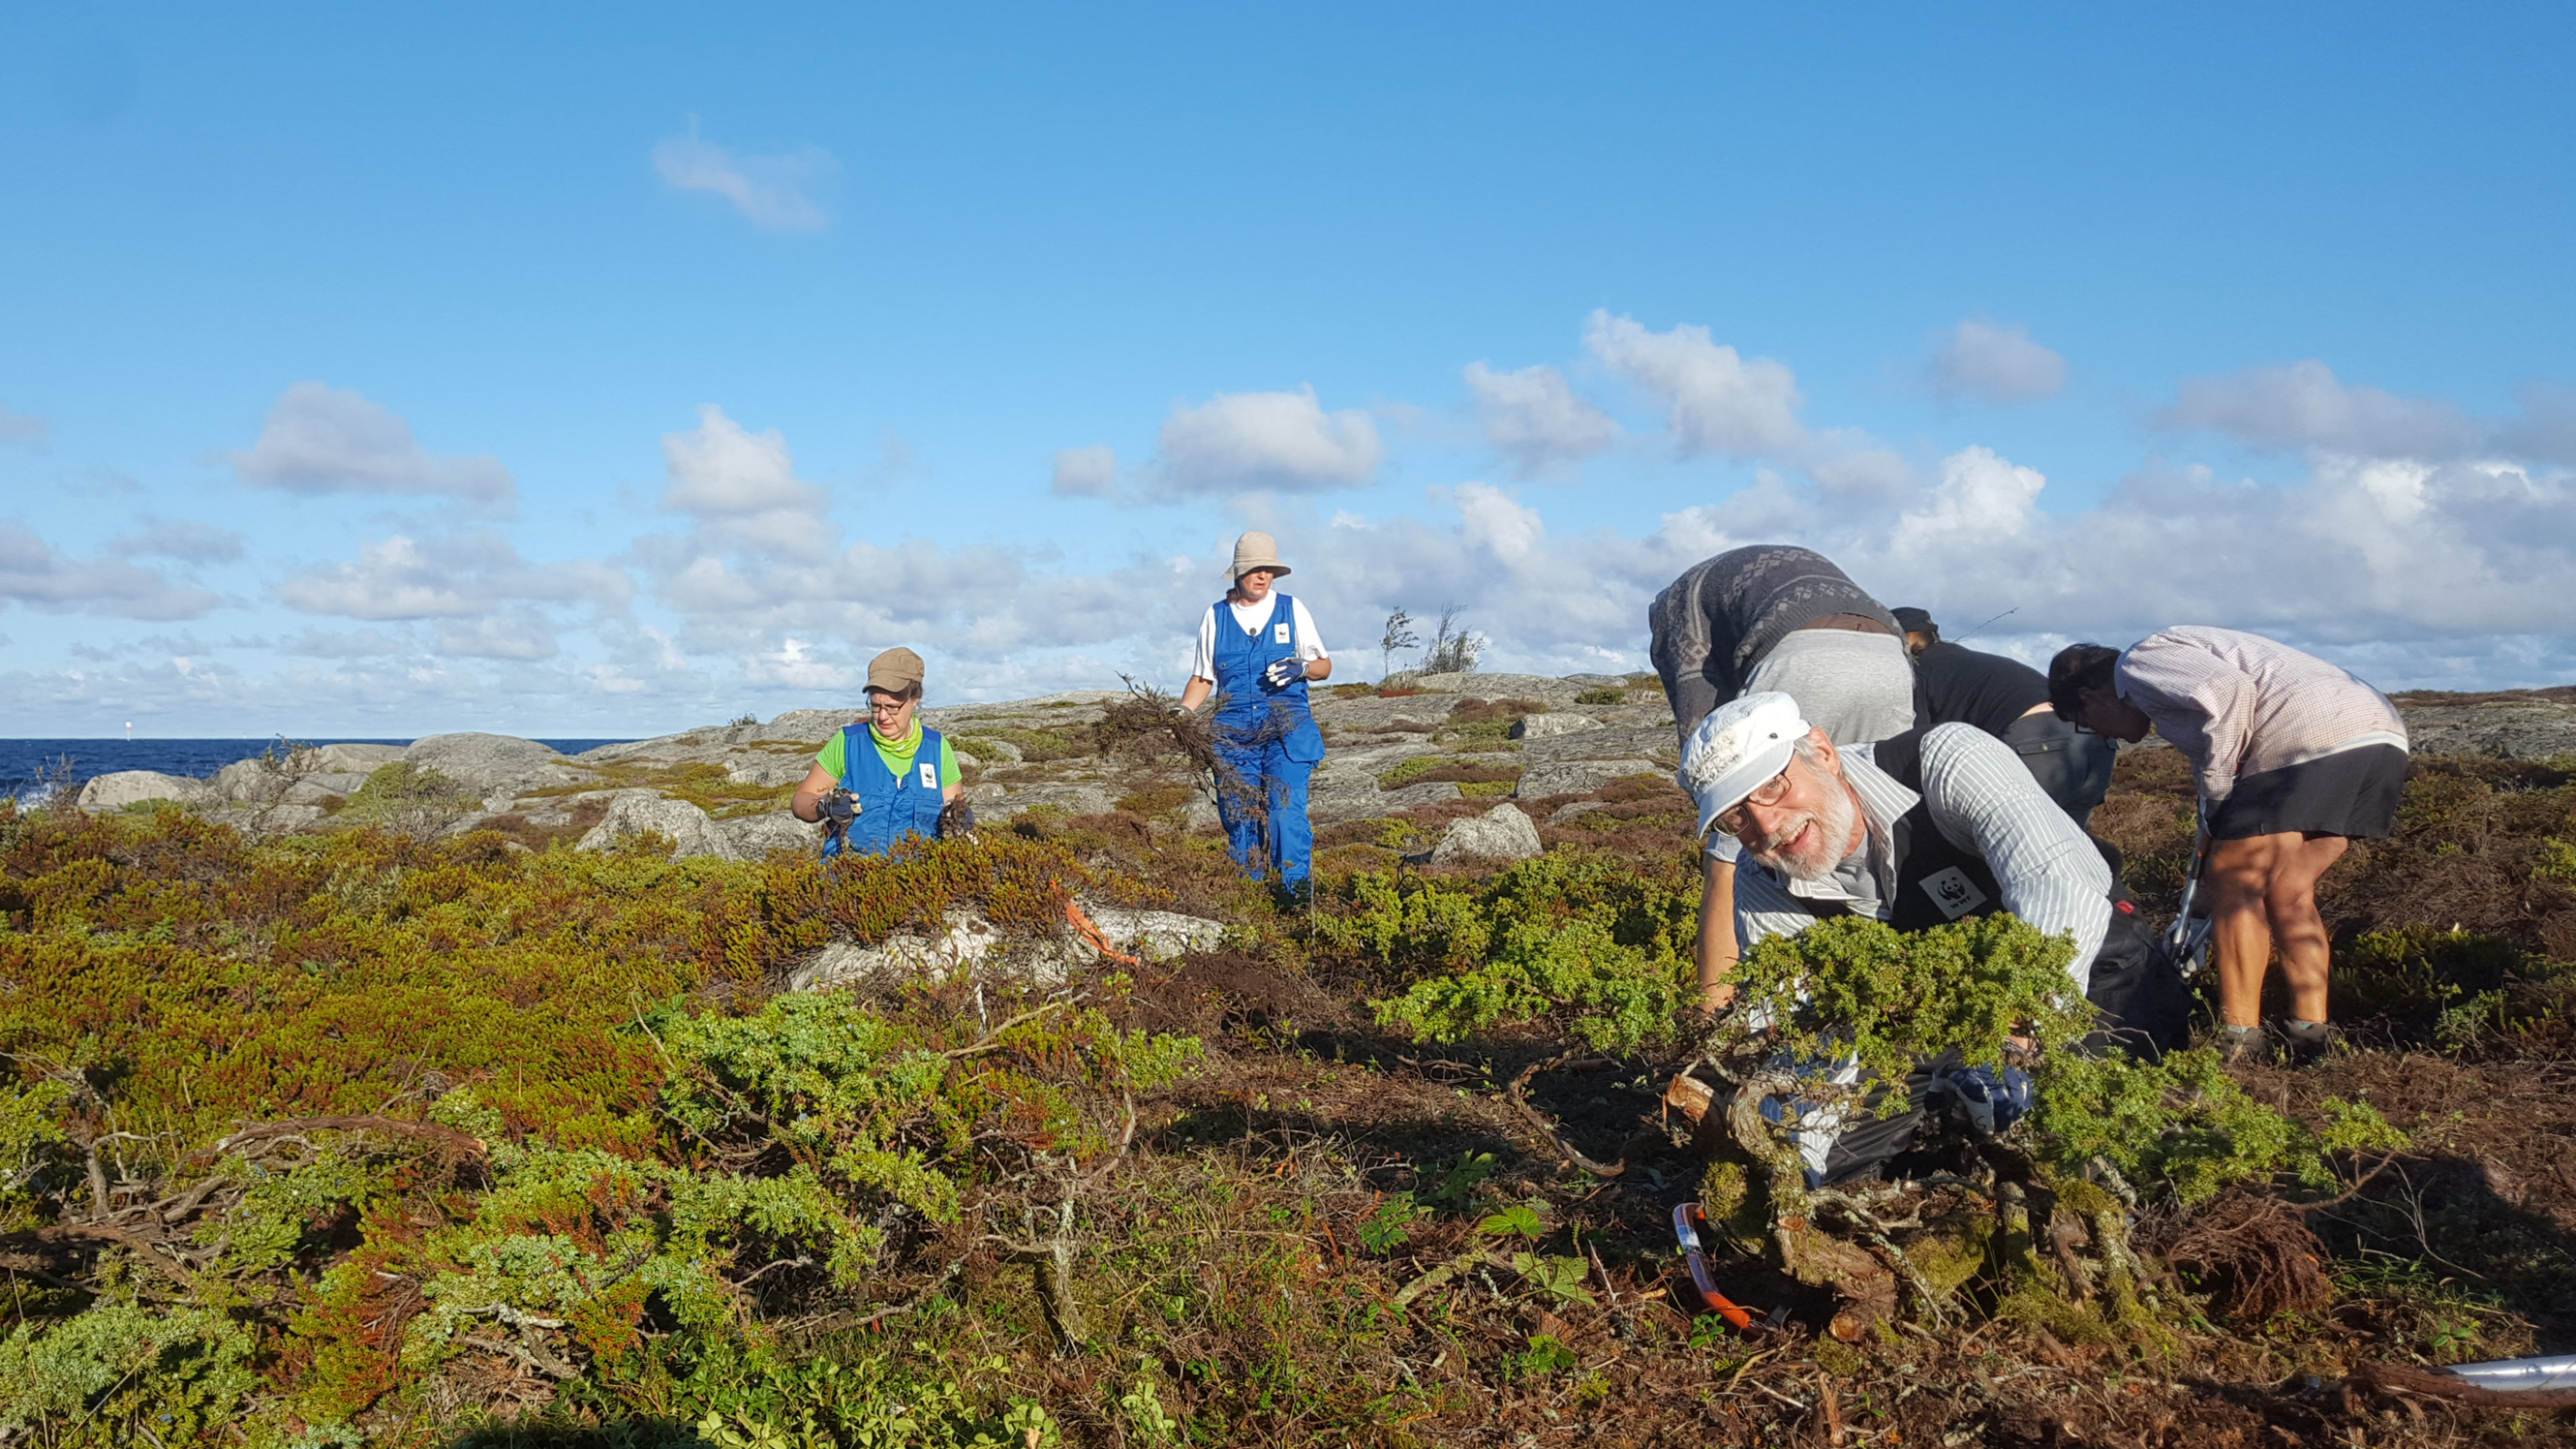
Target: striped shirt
<point x="1982" y="800"/>
<point x="2239" y="704"/>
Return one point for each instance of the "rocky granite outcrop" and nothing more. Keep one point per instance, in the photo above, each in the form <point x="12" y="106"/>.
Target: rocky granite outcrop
<point x="136" y="787"/>
<point x="719" y="790"/>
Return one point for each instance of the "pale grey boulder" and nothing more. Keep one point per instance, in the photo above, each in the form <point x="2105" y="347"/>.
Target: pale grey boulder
<point x="358" y="760"/>
<point x="753" y="837"/>
<point x="636" y="812"/>
<point x="494" y="765"/>
<point x="810" y="726"/>
<point x="768" y="770"/>
<point x="1500" y="834"/>
<point x="1540" y="726"/>
<point x="118" y="789"/>
<point x="1155" y="935"/>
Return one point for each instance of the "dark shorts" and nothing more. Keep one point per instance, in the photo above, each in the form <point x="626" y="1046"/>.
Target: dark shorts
<point x="2350" y="793"/>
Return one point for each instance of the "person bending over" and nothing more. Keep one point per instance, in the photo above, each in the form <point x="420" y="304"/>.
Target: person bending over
<point x="2009" y="700"/>
<point x="1774" y="617"/>
<point x="2293" y="756"/>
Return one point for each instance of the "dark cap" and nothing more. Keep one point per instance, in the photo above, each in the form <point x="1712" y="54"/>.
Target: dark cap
<point x="1913" y="621"/>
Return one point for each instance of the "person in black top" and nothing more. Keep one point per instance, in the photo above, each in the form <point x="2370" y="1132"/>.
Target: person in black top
<point x="2009" y="700"/>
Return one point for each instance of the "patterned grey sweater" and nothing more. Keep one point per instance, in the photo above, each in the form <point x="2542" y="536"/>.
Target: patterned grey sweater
<point x="1716" y="621"/>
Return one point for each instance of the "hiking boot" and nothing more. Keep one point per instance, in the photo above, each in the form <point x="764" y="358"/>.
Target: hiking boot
<point x="2244" y="1044"/>
<point x="2305" y="1043"/>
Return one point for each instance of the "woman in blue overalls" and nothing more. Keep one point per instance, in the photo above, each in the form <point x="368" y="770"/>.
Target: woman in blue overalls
<point x="900" y="774"/>
<point x="1256" y="651"/>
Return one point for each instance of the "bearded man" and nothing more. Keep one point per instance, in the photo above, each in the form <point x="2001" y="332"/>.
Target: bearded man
<point x="1932" y="826"/>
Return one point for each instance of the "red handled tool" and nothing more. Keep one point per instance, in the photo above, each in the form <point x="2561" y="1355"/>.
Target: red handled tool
<point x="1688" y="1220"/>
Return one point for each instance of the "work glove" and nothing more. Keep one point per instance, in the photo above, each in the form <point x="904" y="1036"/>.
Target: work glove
<point x="840" y="807"/>
<point x="1283" y="672"/>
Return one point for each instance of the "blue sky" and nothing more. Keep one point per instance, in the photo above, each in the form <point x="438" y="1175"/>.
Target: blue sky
<point x="609" y="371"/>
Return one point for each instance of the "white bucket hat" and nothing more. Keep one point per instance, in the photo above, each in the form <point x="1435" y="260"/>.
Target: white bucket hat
<point x="1744" y="742"/>
<point x="1255" y="551"/>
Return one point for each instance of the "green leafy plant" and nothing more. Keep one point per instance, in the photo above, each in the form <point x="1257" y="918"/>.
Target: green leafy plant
<point x="1391" y="1225"/>
<point x="1560" y="1278"/>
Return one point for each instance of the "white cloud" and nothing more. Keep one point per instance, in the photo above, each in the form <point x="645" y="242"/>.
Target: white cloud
<point x="1849" y="463"/>
<point x="1720" y="401"/>
<point x="1489" y="518"/>
<point x="2304" y="405"/>
<point x="520" y="637"/>
<point x="24" y="429"/>
<point x="773" y="192"/>
<point x="1995" y="364"/>
<point x="1533" y="418"/>
<point x="35" y="573"/>
<point x="321" y="439"/>
<point x="1090" y="472"/>
<point x="742" y="487"/>
<point x="180" y="538"/>
<point x="1982" y="499"/>
<point x="356" y="644"/>
<point x="460" y="576"/>
<point x="2546" y="431"/>
<point x="1243" y="441"/>
<point x="794" y="665"/>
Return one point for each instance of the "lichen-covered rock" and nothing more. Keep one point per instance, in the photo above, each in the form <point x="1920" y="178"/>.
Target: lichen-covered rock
<point x="116" y="790"/>
<point x="753" y="837"/>
<point x="1582" y="777"/>
<point x="636" y="812"/>
<point x="767" y="770"/>
<point x="490" y="765"/>
<point x="358" y="760"/>
<point x="2513" y="729"/>
<point x="1502" y="833"/>
<point x="1540" y="726"/>
<point x="1156" y="935"/>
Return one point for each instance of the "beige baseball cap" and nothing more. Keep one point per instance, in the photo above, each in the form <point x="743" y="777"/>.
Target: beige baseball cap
<point x="1255" y="551"/>
<point x="896" y="671"/>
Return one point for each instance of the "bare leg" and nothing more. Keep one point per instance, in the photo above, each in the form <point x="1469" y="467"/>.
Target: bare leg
<point x="2291" y="906"/>
<point x="2239" y="879"/>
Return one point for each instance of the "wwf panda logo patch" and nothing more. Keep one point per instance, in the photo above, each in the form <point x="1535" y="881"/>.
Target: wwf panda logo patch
<point x="1280" y="633"/>
<point x="1952" y="891"/>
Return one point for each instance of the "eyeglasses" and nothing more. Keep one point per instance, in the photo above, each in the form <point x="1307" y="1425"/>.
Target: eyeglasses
<point x="887" y="706"/>
<point x="1769" y="792"/>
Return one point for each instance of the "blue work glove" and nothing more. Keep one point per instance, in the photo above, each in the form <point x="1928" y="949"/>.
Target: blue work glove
<point x="1283" y="672"/>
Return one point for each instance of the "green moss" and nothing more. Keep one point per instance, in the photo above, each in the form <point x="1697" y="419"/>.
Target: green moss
<point x="1423" y="769"/>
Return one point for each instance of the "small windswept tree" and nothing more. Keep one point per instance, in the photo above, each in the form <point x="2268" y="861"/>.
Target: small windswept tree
<point x="1454" y="649"/>
<point x="1399" y="635"/>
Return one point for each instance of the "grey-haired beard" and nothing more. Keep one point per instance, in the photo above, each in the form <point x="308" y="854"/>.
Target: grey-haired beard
<point x="1833" y="822"/>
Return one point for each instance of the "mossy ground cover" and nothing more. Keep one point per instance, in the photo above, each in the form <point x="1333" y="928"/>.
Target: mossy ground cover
<point x="593" y="1181"/>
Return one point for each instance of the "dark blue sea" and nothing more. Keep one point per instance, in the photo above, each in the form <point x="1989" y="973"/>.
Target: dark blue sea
<point x="27" y="765"/>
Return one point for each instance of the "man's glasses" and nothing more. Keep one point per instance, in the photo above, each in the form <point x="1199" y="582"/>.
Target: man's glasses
<point x="1769" y="792"/>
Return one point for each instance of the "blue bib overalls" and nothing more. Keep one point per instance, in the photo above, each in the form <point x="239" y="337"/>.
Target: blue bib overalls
<point x="1268" y="744"/>
<point x="890" y="806"/>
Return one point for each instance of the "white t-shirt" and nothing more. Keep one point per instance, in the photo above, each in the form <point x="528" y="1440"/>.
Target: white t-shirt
<point x="1252" y="619"/>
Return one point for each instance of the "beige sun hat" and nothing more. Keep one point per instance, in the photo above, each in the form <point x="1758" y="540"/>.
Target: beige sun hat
<point x="1255" y="551"/>
<point x="896" y="671"/>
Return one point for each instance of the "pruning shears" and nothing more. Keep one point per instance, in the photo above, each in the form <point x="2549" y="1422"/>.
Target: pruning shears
<point x="1687" y="1222"/>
